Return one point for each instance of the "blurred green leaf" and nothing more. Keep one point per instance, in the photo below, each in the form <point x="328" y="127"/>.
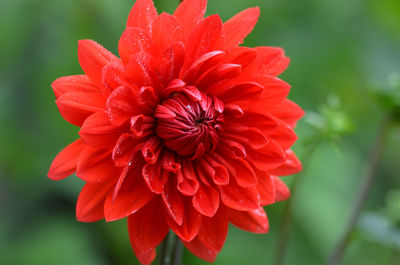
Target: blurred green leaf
<point x="387" y="93"/>
<point x="393" y="205"/>
<point x="51" y="242"/>
<point x="379" y="228"/>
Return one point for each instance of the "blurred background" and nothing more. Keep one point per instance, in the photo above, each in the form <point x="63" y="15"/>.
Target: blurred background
<point x="340" y="51"/>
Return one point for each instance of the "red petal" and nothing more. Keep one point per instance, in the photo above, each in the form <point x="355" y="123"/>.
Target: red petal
<point x="173" y="201"/>
<point x="90" y="205"/>
<point x="199" y="249"/>
<point x="244" y="173"/>
<point x="287" y="111"/>
<point x="207" y="36"/>
<point x="246" y="91"/>
<point x="206" y="200"/>
<point x="189" y="13"/>
<point x="214" y="230"/>
<point x="175" y="85"/>
<point x="141" y="125"/>
<point x="187" y="187"/>
<point x="169" y="162"/>
<point x="92" y="58"/>
<point x="275" y="89"/>
<point x="145" y="257"/>
<point x="257" y="118"/>
<point x="163" y="112"/>
<point x="113" y="77"/>
<point x="132" y="41"/>
<point x="255" y="221"/>
<point x="73" y="83"/>
<point x="291" y="166"/>
<point x="201" y="65"/>
<point x="75" y="107"/>
<point x="251" y="136"/>
<point x="239" y="198"/>
<point x="266" y="188"/>
<point x="65" y="162"/>
<point x="267" y="157"/>
<point x="142" y="15"/>
<point x="190" y="226"/>
<point x="241" y="55"/>
<point x="187" y="180"/>
<point x="270" y="61"/>
<point x="284" y="135"/>
<point x="221" y="176"/>
<point x="147" y="227"/>
<point x="142" y="68"/>
<point x="193" y="93"/>
<point x="282" y="191"/>
<point x="171" y="62"/>
<point x="98" y="132"/>
<point x="151" y="149"/>
<point x="131" y="197"/>
<point x="121" y="180"/>
<point x="96" y="165"/>
<point x="215" y="171"/>
<point x="123" y="149"/>
<point x="232" y="149"/>
<point x="155" y="177"/>
<point x="166" y="30"/>
<point x="235" y="110"/>
<point x="147" y="98"/>
<point x="120" y="105"/>
<point x="218" y="74"/>
<point x="239" y="26"/>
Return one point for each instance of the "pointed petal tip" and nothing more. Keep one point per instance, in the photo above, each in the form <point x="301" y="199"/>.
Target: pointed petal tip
<point x="64" y="164"/>
<point x="51" y="174"/>
<point x="142" y="14"/>
<point x="190" y="13"/>
<point x="239" y="26"/>
<point x="256" y="9"/>
<point x="255" y="221"/>
<point x="282" y="190"/>
<point x="86" y="43"/>
<point x="92" y="58"/>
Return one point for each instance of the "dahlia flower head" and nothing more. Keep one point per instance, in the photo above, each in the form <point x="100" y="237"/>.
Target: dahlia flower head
<point x="186" y="131"/>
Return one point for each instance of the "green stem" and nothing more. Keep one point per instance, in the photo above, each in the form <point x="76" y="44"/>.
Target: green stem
<point x="163" y="258"/>
<point x="171" y="250"/>
<point x="284" y="231"/>
<point x="178" y="252"/>
<point x="367" y="181"/>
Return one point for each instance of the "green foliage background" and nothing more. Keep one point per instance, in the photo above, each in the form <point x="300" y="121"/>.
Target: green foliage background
<point x="336" y="47"/>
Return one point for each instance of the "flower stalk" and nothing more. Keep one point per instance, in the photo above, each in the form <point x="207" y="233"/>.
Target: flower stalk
<point x="164" y="257"/>
<point x="171" y="250"/>
<point x="365" y="187"/>
<point x="177" y="252"/>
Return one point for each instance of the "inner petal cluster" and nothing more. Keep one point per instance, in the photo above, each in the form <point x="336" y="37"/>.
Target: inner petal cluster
<point x="190" y="124"/>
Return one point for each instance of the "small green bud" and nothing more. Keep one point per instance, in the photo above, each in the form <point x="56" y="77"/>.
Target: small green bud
<point x="331" y="122"/>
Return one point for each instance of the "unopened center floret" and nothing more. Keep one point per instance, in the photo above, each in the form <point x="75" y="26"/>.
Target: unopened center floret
<point x="190" y="127"/>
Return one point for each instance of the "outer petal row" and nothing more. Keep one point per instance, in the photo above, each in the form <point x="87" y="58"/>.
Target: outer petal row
<point x="238" y="27"/>
<point x="93" y="58"/>
<point x="66" y="161"/>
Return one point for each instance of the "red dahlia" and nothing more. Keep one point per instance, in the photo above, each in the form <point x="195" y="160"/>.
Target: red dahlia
<point x="187" y="131"/>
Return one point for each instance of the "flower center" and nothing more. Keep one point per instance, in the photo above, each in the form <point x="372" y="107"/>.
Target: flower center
<point x="190" y="124"/>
